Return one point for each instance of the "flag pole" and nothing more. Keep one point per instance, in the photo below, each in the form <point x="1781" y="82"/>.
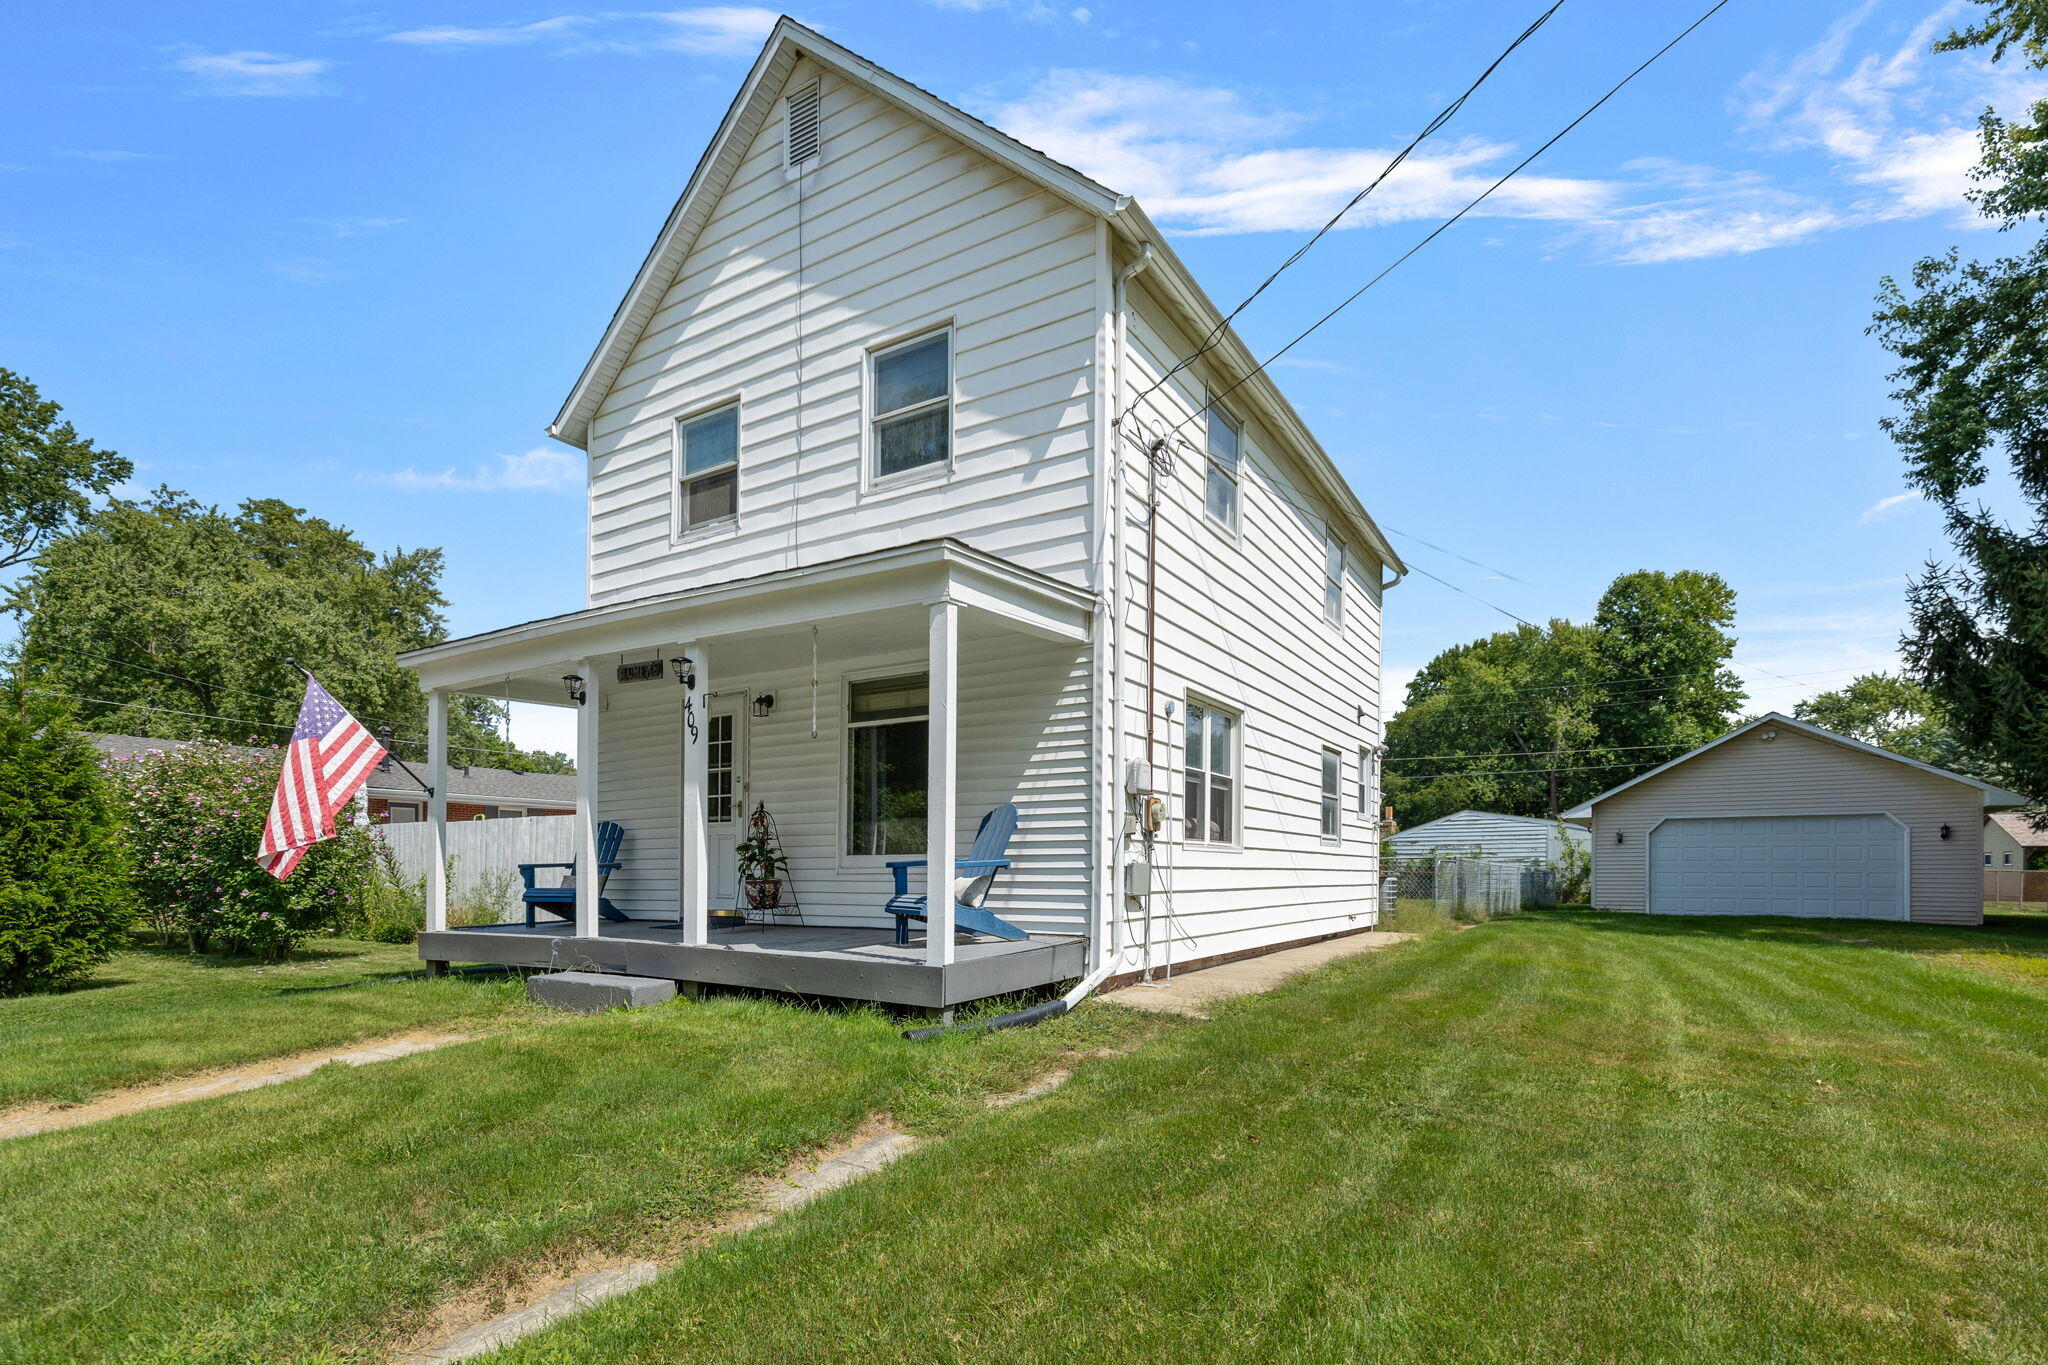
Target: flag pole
<point x="383" y="735"/>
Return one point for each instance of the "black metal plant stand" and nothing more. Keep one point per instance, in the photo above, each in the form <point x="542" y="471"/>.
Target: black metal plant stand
<point x="786" y="910"/>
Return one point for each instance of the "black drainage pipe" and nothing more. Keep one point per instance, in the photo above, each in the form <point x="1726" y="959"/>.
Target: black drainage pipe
<point x="1037" y="1014"/>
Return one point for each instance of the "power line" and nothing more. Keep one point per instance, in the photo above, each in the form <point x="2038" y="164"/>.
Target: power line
<point x="1216" y="333"/>
<point x="1410" y="535"/>
<point x="1518" y="772"/>
<point x="1541" y="753"/>
<point x="1474" y="596"/>
<point x="1445" y="226"/>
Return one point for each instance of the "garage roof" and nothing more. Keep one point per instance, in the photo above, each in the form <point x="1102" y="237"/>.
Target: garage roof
<point x="1997" y="798"/>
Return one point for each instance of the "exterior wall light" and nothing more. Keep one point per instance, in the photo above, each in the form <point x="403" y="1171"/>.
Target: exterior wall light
<point x="686" y="671"/>
<point x="1617" y="836"/>
<point x="1946" y="831"/>
<point x="763" y="704"/>
<point x="572" y="683"/>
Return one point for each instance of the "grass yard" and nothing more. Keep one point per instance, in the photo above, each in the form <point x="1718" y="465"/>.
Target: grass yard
<point x="319" y="1220"/>
<point x="155" y="1012"/>
<point x="1561" y="1136"/>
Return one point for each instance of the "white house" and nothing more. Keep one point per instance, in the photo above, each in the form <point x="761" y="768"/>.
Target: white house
<point x="887" y="446"/>
<point x="1491" y="833"/>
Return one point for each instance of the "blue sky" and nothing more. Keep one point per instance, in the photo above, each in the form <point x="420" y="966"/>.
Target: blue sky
<point x="353" y="256"/>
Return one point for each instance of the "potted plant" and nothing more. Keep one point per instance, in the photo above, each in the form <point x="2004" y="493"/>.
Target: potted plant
<point x="761" y="862"/>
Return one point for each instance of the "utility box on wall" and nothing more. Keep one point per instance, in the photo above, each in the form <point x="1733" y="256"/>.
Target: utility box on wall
<point x="1137" y="877"/>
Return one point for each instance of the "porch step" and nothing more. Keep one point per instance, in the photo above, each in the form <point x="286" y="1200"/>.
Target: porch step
<point x="590" y="992"/>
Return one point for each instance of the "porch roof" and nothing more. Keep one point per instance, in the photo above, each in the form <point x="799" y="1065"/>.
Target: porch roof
<point x="862" y="600"/>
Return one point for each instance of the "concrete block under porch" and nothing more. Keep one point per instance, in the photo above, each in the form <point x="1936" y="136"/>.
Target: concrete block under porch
<point x="840" y="962"/>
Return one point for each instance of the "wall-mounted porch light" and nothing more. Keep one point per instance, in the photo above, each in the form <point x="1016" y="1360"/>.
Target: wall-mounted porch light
<point x="763" y="704"/>
<point x="573" y="684"/>
<point x="686" y="671"/>
<point x="1617" y="836"/>
<point x="1946" y="831"/>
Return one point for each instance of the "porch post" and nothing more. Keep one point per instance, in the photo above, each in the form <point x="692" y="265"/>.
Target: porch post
<point x="941" y="765"/>
<point x="588" y="875"/>
<point x="696" y="737"/>
<point x="437" y="810"/>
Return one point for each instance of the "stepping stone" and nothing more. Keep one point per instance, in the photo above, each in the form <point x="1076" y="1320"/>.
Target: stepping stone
<point x="590" y="992"/>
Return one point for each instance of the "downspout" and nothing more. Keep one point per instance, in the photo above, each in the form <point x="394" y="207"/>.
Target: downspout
<point x="1105" y="960"/>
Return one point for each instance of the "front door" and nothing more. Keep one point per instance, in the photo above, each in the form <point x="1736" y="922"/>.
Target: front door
<point x="725" y="795"/>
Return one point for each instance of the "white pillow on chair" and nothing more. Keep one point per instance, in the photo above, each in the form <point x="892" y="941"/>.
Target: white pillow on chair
<point x="970" y="890"/>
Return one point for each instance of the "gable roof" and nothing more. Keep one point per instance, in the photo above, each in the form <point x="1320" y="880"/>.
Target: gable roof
<point x="1993" y="796"/>
<point x="2022" y="829"/>
<point x="750" y="111"/>
<point x="1482" y="814"/>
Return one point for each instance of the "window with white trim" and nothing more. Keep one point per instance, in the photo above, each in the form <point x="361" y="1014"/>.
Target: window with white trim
<point x="707" y="462"/>
<point x="1333" y="578"/>
<point x="912" y="398"/>
<point x="887" y="738"/>
<point x="2008" y="860"/>
<point x="1210" y="790"/>
<point x="1365" y="782"/>
<point x="410" y="813"/>
<point x="1987" y="860"/>
<point x="1226" y="438"/>
<point x="1333" y="800"/>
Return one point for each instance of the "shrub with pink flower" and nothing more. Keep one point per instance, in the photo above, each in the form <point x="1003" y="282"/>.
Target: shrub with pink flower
<point x="194" y="819"/>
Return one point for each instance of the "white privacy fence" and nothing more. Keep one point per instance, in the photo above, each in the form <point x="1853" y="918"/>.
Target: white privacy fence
<point x="485" y="855"/>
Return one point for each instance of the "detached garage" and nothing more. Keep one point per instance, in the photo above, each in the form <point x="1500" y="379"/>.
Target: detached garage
<point x="1780" y="817"/>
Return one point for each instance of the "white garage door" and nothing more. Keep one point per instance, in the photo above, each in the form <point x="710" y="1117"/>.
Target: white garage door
<point x="1842" y="866"/>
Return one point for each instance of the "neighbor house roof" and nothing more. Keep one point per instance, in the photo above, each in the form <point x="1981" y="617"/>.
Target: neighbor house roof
<point x="476" y="785"/>
<point x="749" y="111"/>
<point x="2022" y="829"/>
<point x="1993" y="796"/>
<point x="1482" y="814"/>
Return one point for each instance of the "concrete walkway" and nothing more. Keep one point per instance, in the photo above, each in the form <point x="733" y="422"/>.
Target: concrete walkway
<point x="44" y="1118"/>
<point x="1196" y="993"/>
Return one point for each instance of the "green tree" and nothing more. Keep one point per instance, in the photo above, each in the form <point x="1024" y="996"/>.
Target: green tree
<point x="1664" y="645"/>
<point x="169" y="618"/>
<point x="49" y="474"/>
<point x="65" y="902"/>
<point x="1972" y="341"/>
<point x="1897" y="714"/>
<point x="1535" y="720"/>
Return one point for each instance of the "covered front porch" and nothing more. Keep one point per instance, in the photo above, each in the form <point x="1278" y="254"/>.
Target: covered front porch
<point x="876" y="707"/>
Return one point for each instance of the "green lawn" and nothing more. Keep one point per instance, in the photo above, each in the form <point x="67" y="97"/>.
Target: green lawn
<point x="319" y="1219"/>
<point x="1560" y="1136"/>
<point x="154" y="1012"/>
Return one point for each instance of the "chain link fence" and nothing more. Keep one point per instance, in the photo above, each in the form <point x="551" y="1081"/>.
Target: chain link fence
<point x="1468" y="889"/>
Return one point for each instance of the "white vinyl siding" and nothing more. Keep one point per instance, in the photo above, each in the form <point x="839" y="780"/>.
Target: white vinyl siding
<point x="1024" y="737"/>
<point x="903" y="228"/>
<point x="1799" y="775"/>
<point x="1235" y="612"/>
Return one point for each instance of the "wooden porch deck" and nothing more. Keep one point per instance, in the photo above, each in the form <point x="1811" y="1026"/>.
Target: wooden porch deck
<point x="844" y="963"/>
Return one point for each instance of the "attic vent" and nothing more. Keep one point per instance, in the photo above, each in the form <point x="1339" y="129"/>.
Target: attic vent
<point x="802" y="141"/>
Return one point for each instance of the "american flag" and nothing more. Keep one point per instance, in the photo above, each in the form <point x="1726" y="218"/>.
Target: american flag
<point x="327" y="762"/>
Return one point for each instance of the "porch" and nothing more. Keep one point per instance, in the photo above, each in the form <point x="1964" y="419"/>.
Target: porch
<point x="877" y="707"/>
<point x="841" y="962"/>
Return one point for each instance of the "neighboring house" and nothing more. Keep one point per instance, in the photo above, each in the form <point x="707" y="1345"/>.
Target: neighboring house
<point x="1496" y="836"/>
<point x="2011" y="842"/>
<point x="1779" y="817"/>
<point x="855" y="458"/>
<point x="395" y="798"/>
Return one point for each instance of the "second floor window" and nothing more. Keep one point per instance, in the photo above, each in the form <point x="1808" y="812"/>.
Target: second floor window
<point x="1220" y="497"/>
<point x="1333" y="579"/>
<point x="1211" y="764"/>
<point x="912" y="425"/>
<point x="707" y="469"/>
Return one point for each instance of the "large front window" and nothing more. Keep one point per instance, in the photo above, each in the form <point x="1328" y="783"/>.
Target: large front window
<point x="1211" y="793"/>
<point x="886" y="739"/>
<point x="913" y="406"/>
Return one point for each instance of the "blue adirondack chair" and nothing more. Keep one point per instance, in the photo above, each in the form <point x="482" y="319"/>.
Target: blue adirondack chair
<point x="985" y="859"/>
<point x="561" y="900"/>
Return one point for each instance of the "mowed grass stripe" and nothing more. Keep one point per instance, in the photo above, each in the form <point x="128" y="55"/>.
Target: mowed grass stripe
<point x="317" y="1220"/>
<point x="1557" y="1137"/>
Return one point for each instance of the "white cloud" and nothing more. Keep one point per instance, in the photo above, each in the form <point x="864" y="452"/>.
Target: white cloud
<point x="305" y="270"/>
<point x="449" y="36"/>
<point x="249" y="73"/>
<point x="1886" y="507"/>
<point x="542" y="469"/>
<point x="707" y="30"/>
